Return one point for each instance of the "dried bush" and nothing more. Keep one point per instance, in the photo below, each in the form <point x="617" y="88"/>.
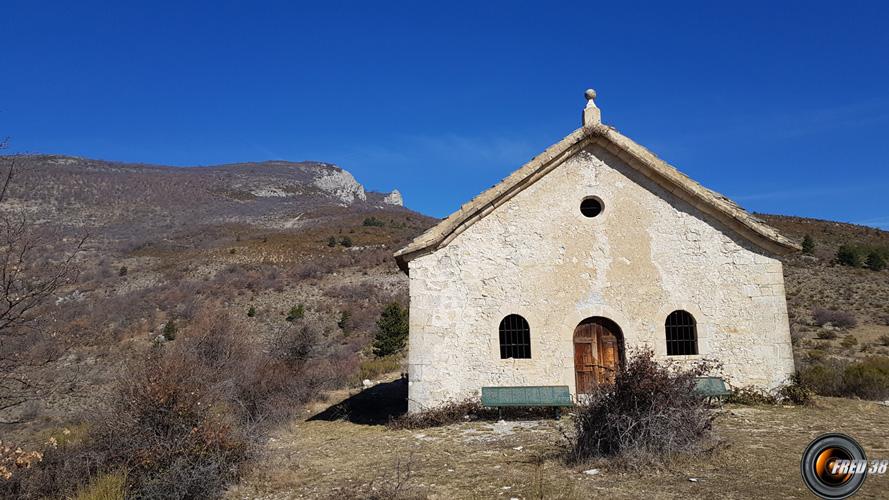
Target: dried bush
<point x="397" y="485"/>
<point x="795" y="392"/>
<point x="751" y="396"/>
<point x="826" y="334"/>
<point x="840" y="319"/>
<point x="448" y="413"/>
<point x="56" y="469"/>
<point x="650" y="414"/>
<point x="183" y="420"/>
<point x="466" y="410"/>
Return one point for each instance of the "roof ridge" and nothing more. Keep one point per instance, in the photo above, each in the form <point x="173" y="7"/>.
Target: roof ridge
<point x="661" y="172"/>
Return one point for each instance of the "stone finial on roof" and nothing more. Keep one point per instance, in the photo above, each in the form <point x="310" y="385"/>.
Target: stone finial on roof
<point x="591" y="114"/>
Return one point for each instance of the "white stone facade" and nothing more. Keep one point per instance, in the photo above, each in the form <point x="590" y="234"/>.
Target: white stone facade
<point x="647" y="254"/>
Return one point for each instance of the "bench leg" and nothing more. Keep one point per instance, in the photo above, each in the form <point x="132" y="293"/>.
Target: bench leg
<point x="558" y="413"/>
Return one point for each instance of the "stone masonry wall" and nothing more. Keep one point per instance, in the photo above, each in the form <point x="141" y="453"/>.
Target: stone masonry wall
<point x="647" y="254"/>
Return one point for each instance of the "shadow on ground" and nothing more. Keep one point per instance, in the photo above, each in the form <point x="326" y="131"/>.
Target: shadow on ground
<point x="373" y="406"/>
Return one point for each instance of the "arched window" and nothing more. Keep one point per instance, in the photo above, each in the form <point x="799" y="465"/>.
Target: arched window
<point x="682" y="334"/>
<point x="515" y="337"/>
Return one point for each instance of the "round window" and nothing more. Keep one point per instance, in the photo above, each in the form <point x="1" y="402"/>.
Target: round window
<point x="591" y="207"/>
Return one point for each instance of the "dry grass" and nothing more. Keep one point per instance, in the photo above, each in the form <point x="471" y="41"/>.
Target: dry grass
<point x="372" y="368"/>
<point x="523" y="459"/>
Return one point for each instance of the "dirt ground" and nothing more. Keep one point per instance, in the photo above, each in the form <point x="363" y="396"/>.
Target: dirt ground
<point x="343" y="451"/>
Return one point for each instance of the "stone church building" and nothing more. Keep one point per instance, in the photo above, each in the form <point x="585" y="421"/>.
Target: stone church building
<point x="593" y="247"/>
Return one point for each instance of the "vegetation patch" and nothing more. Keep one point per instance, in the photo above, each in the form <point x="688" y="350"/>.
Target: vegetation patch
<point x="651" y="414"/>
<point x="840" y="319"/>
<point x="865" y="379"/>
<point x="182" y="422"/>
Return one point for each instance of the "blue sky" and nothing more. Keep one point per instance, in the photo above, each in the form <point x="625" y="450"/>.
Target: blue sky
<point x="783" y="106"/>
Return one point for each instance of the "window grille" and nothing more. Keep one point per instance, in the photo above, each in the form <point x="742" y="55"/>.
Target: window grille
<point x="515" y="337"/>
<point x="682" y="334"/>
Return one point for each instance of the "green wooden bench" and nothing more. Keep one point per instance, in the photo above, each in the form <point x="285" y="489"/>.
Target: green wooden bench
<point x="712" y="387"/>
<point x="556" y="396"/>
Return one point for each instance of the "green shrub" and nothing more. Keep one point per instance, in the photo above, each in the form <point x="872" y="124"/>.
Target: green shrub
<point x="883" y="340"/>
<point x="808" y="245"/>
<point x="392" y="330"/>
<point x="296" y="312"/>
<point x="869" y="378"/>
<point x="170" y="330"/>
<point x="849" y="256"/>
<point x="346" y="241"/>
<point x="345" y="322"/>
<point x="331" y="242"/>
<point x="825" y="377"/>
<point x="875" y="262"/>
<point x="849" y="341"/>
<point x="373" y="222"/>
<point x="123" y="271"/>
<point x="870" y="256"/>
<point x="866" y="379"/>
<point x="251" y="312"/>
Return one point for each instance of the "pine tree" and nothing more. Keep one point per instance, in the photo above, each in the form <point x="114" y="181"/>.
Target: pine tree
<point x="808" y="245"/>
<point x="875" y="262"/>
<point x="848" y="256"/>
<point x="345" y="322"/>
<point x="392" y="330"/>
<point x="170" y="330"/>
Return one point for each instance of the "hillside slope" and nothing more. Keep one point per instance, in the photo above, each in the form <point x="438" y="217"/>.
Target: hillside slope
<point x="168" y="245"/>
<point x="818" y="282"/>
<point x="79" y="192"/>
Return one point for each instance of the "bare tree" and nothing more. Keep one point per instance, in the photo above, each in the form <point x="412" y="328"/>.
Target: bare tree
<point x="29" y="278"/>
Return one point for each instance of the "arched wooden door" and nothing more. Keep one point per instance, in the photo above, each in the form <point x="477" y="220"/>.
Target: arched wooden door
<point x="598" y="353"/>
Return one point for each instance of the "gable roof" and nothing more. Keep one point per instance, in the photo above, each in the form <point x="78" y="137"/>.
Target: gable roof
<point x="638" y="157"/>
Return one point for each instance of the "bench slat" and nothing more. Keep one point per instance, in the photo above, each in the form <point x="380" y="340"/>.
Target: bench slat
<point x="711" y="387"/>
<point x="554" y="395"/>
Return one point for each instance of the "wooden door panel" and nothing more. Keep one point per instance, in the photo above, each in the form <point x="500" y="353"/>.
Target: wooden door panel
<point x="584" y="366"/>
<point x="596" y="356"/>
<point x="609" y="359"/>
